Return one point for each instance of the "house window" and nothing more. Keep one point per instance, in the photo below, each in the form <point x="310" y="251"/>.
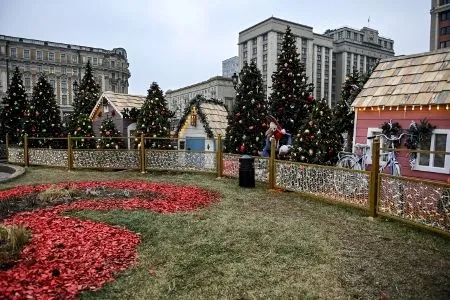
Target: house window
<point x="254" y="42"/>
<point x="113" y="64"/>
<point x="340" y="35"/>
<point x="95" y="61"/>
<point x="105" y="106"/>
<point x="348" y="34"/>
<point x="244" y="46"/>
<point x="265" y="47"/>
<point x="63" y="57"/>
<point x="39" y="69"/>
<point x="374" y="132"/>
<point x="254" y="51"/>
<point x="51" y="56"/>
<point x="264" y="68"/>
<point x="26" y="53"/>
<point x="265" y="37"/>
<point x="63" y="92"/>
<point x="245" y="54"/>
<point x="434" y="162"/>
<point x="13" y="52"/>
<point x="265" y="58"/>
<point x="74" y="59"/>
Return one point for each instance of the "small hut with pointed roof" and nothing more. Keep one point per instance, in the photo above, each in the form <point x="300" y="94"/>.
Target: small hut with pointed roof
<point x="404" y="89"/>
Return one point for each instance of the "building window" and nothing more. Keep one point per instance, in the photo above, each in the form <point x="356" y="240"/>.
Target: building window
<point x="13" y="52"/>
<point x="244" y="46"/>
<point x="265" y="77"/>
<point x="264" y="68"/>
<point x="265" y="47"/>
<point x="265" y="58"/>
<point x="26" y="53"/>
<point x="27" y="68"/>
<point x="254" y="42"/>
<point x="385" y="44"/>
<point x="63" y="70"/>
<point x="52" y="70"/>
<point x="89" y="59"/>
<point x="75" y="71"/>
<point x="361" y="37"/>
<point x="63" y="92"/>
<point x="113" y="64"/>
<point x="74" y="59"/>
<point x="279" y="46"/>
<point x="432" y="162"/>
<point x="51" y="56"/>
<point x="445" y="15"/>
<point x="254" y="51"/>
<point x="245" y="54"/>
<point x="63" y="57"/>
<point x="279" y="36"/>
<point x="95" y="61"/>
<point x="340" y="35"/>
<point x="53" y="83"/>
<point x="348" y="34"/>
<point x="39" y="69"/>
<point x="355" y="36"/>
<point x="27" y="83"/>
<point x="265" y="37"/>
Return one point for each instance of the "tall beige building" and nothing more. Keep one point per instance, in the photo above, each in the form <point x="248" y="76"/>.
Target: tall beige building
<point x="327" y="57"/>
<point x="63" y="64"/>
<point x="440" y="24"/>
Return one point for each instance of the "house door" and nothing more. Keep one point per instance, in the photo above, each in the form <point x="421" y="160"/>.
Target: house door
<point x="195" y="144"/>
<point x="195" y="160"/>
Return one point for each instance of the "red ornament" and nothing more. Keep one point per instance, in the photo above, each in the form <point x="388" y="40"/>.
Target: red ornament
<point x="238" y="114"/>
<point x="242" y="148"/>
<point x="310" y="98"/>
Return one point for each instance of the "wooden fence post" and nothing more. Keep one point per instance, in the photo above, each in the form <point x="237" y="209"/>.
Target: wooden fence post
<point x="374" y="174"/>
<point x="219" y="157"/>
<point x="142" y="154"/>
<point x="69" y="154"/>
<point x="272" y="164"/>
<point x="25" y="150"/>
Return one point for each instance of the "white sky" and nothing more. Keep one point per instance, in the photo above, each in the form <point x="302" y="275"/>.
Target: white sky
<point x="178" y="43"/>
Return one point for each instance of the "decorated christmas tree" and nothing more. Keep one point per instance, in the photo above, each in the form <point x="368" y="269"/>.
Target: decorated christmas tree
<point x="247" y="121"/>
<point x="317" y="142"/>
<point x="110" y="135"/>
<point x="154" y="118"/>
<point x="42" y="117"/>
<point x="82" y="132"/>
<point x="343" y="114"/>
<point x="86" y="93"/>
<point x="13" y="108"/>
<point x="291" y="99"/>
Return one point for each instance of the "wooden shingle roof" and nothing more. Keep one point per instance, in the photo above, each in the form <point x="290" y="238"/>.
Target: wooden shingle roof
<point x="420" y="79"/>
<point x="216" y="116"/>
<point x="119" y="102"/>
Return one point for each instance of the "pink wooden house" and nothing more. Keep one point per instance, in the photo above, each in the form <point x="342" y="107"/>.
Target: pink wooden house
<point x="407" y="88"/>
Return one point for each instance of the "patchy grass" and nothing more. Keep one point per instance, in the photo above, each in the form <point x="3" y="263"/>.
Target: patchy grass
<point x="12" y="239"/>
<point x="259" y="244"/>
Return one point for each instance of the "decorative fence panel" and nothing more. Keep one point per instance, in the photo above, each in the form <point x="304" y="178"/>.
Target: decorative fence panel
<point x="15" y="155"/>
<point x="330" y="183"/>
<point x="106" y="159"/>
<point x="47" y="157"/>
<point x="420" y="201"/>
<point x="262" y="169"/>
<point x="181" y="160"/>
<point x="231" y="165"/>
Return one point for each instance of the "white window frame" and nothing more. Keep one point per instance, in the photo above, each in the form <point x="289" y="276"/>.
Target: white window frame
<point x="38" y="55"/>
<point x="63" y="86"/>
<point x="430" y="168"/>
<point x="51" y="56"/>
<point x="74" y="59"/>
<point x="11" y="52"/>
<point x="94" y="61"/>
<point x="371" y="131"/>
<point x="26" y="51"/>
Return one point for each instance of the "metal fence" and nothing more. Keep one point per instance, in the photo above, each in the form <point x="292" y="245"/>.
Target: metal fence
<point x="420" y="202"/>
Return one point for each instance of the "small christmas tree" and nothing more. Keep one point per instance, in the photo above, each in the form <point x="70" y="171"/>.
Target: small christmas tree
<point x="154" y="118"/>
<point x="86" y="93"/>
<point x="317" y="142"/>
<point x="42" y="118"/>
<point x="83" y="132"/>
<point x="110" y="135"/>
<point x="247" y="122"/>
<point x="343" y="114"/>
<point x="14" y="106"/>
<point x="291" y="99"/>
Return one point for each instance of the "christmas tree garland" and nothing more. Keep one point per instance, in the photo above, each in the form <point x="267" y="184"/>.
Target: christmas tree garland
<point x="196" y="102"/>
<point x="419" y="135"/>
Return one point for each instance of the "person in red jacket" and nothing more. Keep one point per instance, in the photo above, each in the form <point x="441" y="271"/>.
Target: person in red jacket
<point x="279" y="133"/>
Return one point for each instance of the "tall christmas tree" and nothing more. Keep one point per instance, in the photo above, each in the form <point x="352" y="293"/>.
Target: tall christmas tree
<point x="110" y="135"/>
<point x="87" y="93"/>
<point x="291" y="99"/>
<point x="14" y="106"/>
<point x="42" y="118"/>
<point x="316" y="141"/>
<point x="247" y="121"/>
<point x="343" y="114"/>
<point x="154" y="118"/>
<point x="86" y="96"/>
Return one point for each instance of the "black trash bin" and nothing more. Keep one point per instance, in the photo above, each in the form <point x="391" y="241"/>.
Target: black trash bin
<point x="246" y="171"/>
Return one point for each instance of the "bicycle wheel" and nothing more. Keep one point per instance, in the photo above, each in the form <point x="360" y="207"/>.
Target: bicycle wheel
<point x="345" y="182"/>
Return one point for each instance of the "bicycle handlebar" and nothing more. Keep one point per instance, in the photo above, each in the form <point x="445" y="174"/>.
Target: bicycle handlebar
<point x="389" y="138"/>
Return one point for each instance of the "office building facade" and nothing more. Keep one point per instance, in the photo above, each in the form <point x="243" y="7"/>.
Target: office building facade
<point x="63" y="64"/>
<point x="325" y="56"/>
<point x="440" y="24"/>
<point x="230" y="66"/>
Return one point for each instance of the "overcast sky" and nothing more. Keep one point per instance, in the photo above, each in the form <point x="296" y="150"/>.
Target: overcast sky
<point x="178" y="43"/>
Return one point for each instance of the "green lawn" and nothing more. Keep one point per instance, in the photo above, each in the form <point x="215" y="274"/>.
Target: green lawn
<point x="256" y="244"/>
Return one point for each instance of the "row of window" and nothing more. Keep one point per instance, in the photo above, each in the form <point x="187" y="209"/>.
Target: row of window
<point x="63" y="88"/>
<point x="63" y="58"/>
<point x="48" y="69"/>
<point x="444" y="30"/>
<point x="360" y="37"/>
<point x="444" y="44"/>
<point x="445" y="15"/>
